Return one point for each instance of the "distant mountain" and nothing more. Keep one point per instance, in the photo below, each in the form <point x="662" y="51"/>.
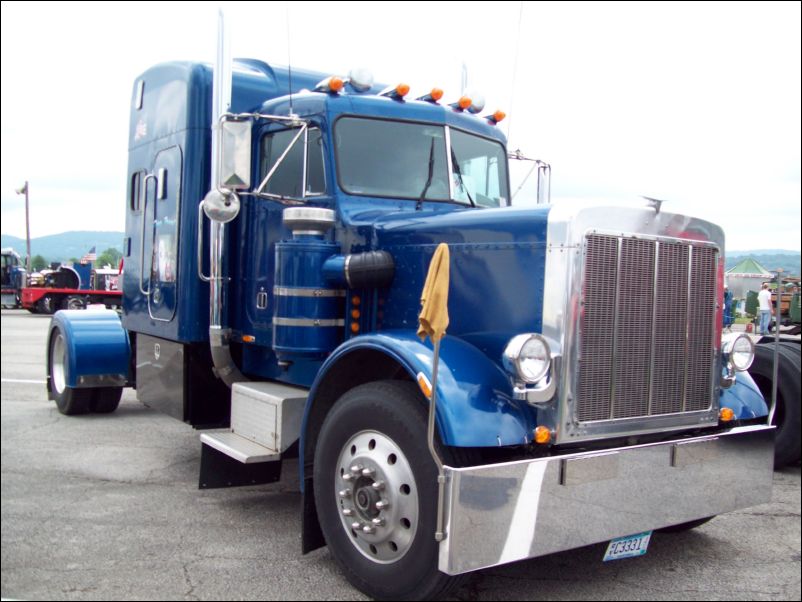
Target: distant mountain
<point x="789" y="261"/>
<point x="64" y="246"/>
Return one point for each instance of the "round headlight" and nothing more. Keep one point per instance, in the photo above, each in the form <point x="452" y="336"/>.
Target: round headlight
<point x="528" y="357"/>
<point x="742" y="353"/>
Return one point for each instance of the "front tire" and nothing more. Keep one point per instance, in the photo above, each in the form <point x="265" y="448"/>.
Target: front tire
<point x="375" y="487"/>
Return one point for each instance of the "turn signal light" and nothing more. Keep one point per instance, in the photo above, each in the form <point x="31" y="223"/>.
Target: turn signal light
<point x="726" y="415"/>
<point x="248" y="338"/>
<point x="542" y="435"/>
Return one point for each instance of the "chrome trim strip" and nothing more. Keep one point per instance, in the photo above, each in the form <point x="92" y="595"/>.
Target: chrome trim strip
<point x="308" y="322"/>
<point x="655" y="268"/>
<point x="687" y="330"/>
<point x="287" y="291"/>
<point x="347" y="270"/>
<point x="616" y="312"/>
<point x="535" y="507"/>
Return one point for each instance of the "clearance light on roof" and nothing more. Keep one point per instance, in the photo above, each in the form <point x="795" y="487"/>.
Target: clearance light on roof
<point x="361" y="79"/>
<point x="433" y="96"/>
<point x="496" y="117"/>
<point x="396" y="92"/>
<point x="463" y="103"/>
<point x="332" y="84"/>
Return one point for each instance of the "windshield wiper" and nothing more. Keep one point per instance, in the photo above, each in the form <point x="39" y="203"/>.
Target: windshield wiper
<point x="459" y="175"/>
<point x="419" y="204"/>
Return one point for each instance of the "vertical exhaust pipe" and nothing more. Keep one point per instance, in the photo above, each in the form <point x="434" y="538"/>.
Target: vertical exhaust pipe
<point x="219" y="332"/>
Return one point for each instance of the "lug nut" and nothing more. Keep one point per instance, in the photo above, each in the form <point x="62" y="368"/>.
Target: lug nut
<point x="368" y="529"/>
<point x="356" y="470"/>
<point x="378" y="485"/>
<point x="348" y="512"/>
<point x="344" y="493"/>
<point x="356" y="526"/>
<point x="368" y="472"/>
<point x="378" y="522"/>
<point x="347" y="477"/>
<point x="382" y="504"/>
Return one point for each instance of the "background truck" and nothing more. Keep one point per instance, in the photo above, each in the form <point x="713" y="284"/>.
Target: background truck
<point x="583" y="390"/>
<point x="12" y="274"/>
<point x="73" y="287"/>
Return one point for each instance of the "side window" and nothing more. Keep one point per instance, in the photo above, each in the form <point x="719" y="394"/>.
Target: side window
<point x="287" y="181"/>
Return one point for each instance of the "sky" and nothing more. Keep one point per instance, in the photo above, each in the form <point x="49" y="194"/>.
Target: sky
<point x="695" y="103"/>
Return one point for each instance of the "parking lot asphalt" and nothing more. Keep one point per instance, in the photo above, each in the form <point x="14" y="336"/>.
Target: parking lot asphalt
<point x="106" y="507"/>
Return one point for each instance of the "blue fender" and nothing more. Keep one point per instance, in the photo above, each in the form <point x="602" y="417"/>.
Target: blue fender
<point x="474" y="403"/>
<point x="744" y="398"/>
<point x="97" y="346"/>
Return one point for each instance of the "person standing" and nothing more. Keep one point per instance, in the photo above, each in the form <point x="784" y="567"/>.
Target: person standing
<point x="764" y="306"/>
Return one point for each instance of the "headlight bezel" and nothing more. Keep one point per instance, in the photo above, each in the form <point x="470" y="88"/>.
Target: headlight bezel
<point x="513" y="360"/>
<point x="729" y="348"/>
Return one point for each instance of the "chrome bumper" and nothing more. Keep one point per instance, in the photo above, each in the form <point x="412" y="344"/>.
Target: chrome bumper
<point x="501" y="513"/>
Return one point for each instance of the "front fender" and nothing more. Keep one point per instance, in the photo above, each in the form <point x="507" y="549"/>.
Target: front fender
<point x="744" y="398"/>
<point x="474" y="397"/>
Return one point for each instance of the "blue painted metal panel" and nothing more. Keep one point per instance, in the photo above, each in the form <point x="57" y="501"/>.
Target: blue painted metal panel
<point x="96" y="343"/>
<point x="744" y="398"/>
<point x="475" y="407"/>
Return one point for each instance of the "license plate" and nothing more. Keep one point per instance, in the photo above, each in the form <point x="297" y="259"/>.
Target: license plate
<point x="626" y="547"/>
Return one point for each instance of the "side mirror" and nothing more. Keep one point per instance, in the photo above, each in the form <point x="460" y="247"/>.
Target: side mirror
<point x="235" y="155"/>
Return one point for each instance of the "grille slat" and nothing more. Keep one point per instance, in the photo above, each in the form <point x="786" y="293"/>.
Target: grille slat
<point x="639" y="334"/>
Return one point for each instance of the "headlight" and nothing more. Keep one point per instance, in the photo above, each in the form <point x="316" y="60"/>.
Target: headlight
<point x="740" y="350"/>
<point x="528" y="357"/>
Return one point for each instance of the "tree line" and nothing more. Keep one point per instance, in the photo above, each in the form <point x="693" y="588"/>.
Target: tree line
<point x="110" y="257"/>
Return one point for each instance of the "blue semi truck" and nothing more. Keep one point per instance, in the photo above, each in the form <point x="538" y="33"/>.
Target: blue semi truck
<point x="279" y="228"/>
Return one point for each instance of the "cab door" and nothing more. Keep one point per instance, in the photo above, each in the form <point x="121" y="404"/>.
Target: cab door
<point x="160" y="270"/>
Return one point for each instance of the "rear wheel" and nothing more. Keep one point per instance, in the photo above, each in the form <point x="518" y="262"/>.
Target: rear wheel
<point x="46" y="305"/>
<point x="70" y="401"/>
<point x="106" y="399"/>
<point x="375" y="487"/>
<point x="75" y="303"/>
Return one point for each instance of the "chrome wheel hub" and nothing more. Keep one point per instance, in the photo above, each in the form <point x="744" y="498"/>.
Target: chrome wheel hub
<point x="376" y="496"/>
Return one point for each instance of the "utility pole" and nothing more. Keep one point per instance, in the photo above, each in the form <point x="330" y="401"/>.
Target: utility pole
<point x="24" y="190"/>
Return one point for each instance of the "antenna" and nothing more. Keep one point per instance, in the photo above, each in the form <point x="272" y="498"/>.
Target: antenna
<point x="464" y="79"/>
<point x="515" y="69"/>
<point x="289" y="58"/>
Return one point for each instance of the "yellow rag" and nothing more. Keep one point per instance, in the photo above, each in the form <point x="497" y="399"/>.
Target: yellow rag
<point x="434" y="298"/>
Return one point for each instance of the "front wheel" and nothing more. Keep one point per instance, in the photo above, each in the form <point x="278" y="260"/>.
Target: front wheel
<point x="375" y="487"/>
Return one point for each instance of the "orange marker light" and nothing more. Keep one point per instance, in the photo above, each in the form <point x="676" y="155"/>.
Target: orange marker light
<point x="542" y="435"/>
<point x="425" y="385"/>
<point x="436" y="94"/>
<point x="402" y="90"/>
<point x="464" y="102"/>
<point x="335" y="84"/>
<point x="726" y="415"/>
<point x="355" y="300"/>
<point x="354" y="327"/>
<point x="355" y="313"/>
<point x="248" y="338"/>
<point x="499" y="116"/>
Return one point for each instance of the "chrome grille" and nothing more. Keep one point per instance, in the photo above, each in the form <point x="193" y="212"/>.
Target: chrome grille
<point x="646" y="328"/>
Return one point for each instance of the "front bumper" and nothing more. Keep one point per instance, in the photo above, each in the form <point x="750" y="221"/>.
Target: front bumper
<point x="501" y="513"/>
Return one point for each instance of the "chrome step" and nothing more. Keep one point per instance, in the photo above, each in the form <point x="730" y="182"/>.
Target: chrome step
<point x="265" y="421"/>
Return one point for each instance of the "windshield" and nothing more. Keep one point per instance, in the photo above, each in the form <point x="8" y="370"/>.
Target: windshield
<point x="410" y="161"/>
